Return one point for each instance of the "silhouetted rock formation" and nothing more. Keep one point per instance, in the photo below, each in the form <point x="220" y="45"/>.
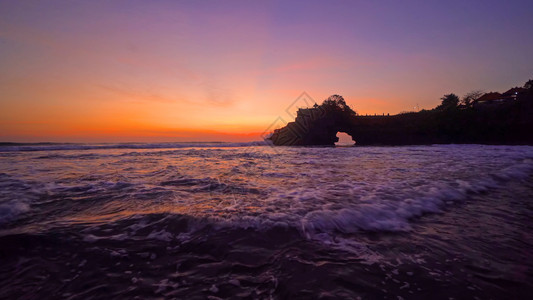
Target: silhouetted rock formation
<point x="508" y="122"/>
<point x="316" y="126"/>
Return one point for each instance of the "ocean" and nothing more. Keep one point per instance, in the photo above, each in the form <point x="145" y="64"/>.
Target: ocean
<point x="247" y="220"/>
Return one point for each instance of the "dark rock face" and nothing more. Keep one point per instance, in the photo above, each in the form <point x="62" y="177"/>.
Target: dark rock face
<point x="508" y="123"/>
<point x="316" y="126"/>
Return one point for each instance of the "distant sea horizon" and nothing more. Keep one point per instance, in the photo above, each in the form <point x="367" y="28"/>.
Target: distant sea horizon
<point x="44" y="146"/>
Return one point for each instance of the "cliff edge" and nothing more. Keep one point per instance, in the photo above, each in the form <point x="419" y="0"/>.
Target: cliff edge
<point x="499" y="121"/>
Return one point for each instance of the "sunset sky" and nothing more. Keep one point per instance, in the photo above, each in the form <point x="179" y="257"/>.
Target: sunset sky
<point x="116" y="71"/>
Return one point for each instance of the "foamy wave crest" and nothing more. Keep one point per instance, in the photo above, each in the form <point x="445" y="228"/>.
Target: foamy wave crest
<point x="322" y="193"/>
<point x="12" y="209"/>
<point x="391" y="209"/>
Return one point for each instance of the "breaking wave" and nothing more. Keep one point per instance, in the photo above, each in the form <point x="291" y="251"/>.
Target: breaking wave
<point x="219" y="220"/>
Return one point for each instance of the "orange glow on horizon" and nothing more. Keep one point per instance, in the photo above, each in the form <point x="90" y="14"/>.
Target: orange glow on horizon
<point x="185" y="70"/>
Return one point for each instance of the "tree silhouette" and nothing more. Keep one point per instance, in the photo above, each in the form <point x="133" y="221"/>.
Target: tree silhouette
<point x="449" y="101"/>
<point x="470" y="97"/>
<point x="336" y="103"/>
<point x="529" y="84"/>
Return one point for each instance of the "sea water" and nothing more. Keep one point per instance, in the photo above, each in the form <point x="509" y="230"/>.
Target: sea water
<point x="218" y="220"/>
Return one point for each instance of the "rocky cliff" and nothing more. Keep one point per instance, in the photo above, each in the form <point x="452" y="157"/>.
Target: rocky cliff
<point x="505" y="123"/>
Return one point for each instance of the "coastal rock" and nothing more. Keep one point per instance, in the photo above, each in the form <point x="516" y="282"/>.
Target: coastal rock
<point x="506" y="123"/>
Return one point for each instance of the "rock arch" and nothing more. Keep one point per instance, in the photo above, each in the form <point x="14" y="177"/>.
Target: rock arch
<point x="318" y="125"/>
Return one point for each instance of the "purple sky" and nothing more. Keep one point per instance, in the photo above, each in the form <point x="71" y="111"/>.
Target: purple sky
<point x="123" y="70"/>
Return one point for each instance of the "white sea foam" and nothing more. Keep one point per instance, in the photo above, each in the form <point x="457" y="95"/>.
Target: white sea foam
<point x="315" y="190"/>
<point x="161" y="235"/>
<point x="322" y="200"/>
<point x="91" y="238"/>
<point x="12" y="209"/>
